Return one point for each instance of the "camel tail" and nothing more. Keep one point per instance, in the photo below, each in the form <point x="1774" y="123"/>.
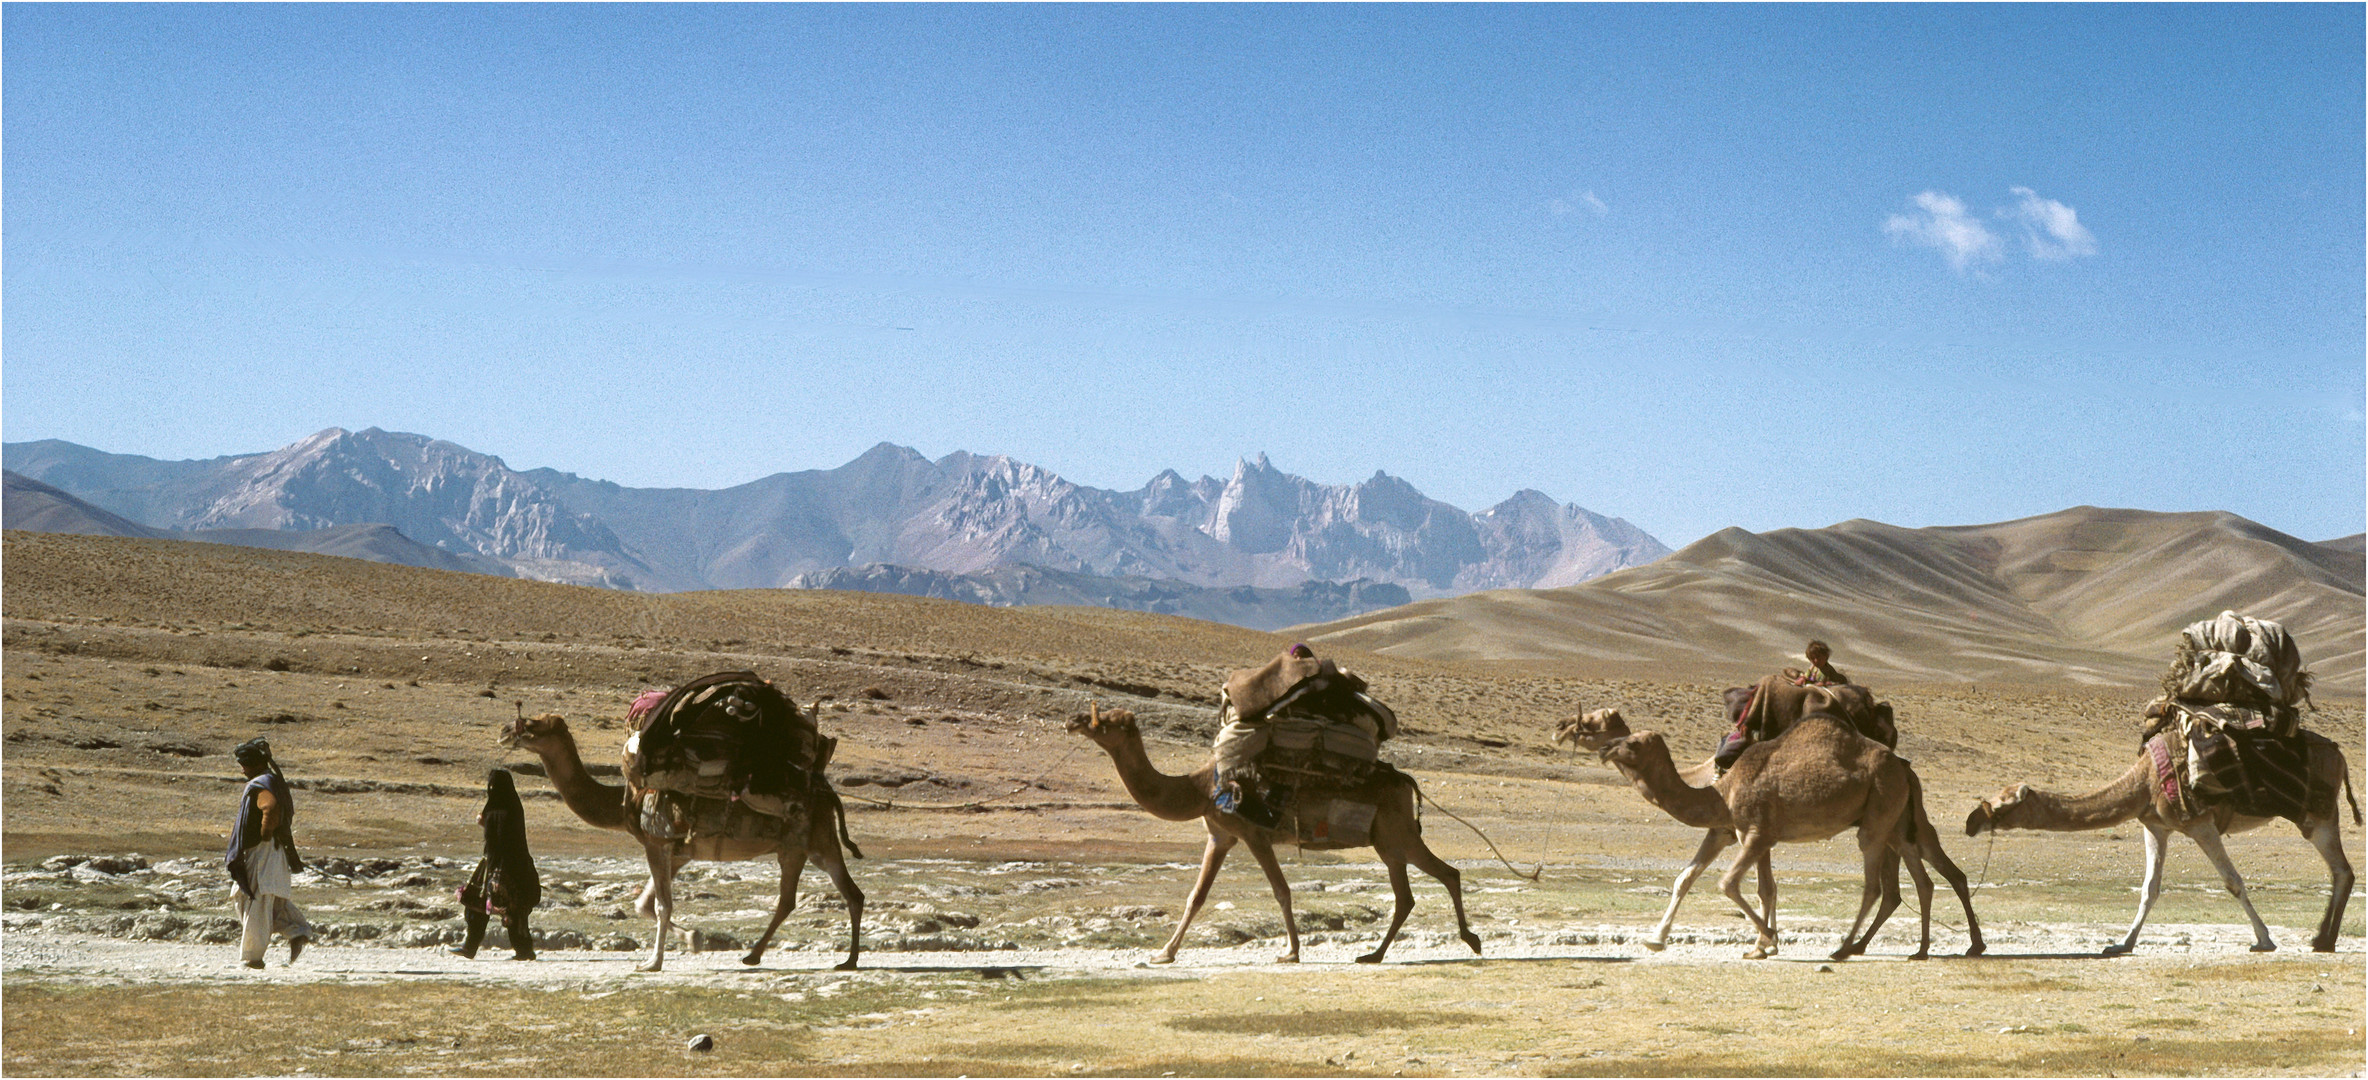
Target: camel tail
<point x="1907" y="824"/>
<point x="838" y="808"/>
<point x="2347" y="795"/>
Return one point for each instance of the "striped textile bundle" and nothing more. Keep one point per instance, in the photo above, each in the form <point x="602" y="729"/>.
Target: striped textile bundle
<point x="2253" y="770"/>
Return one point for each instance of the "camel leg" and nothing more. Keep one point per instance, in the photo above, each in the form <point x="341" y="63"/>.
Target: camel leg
<point x="1881" y="886"/>
<point x="1755" y="851"/>
<point x="660" y="894"/>
<point x="1403" y="893"/>
<point x="1211" y="858"/>
<point x="2327" y="836"/>
<point x="2208" y="838"/>
<point x="2158" y="842"/>
<point x="823" y="847"/>
<point x="1430" y="863"/>
<point x="1888" y="876"/>
<point x="1767" y="878"/>
<point x="1930" y="842"/>
<point x="793" y="863"/>
<point x="1264" y="853"/>
<point x="1923" y="882"/>
<point x="1713" y="842"/>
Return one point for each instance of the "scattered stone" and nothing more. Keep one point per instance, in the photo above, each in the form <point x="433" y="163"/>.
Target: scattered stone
<point x="702" y="1043"/>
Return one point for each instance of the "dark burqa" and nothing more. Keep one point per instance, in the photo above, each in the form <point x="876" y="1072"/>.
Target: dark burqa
<point x="511" y="881"/>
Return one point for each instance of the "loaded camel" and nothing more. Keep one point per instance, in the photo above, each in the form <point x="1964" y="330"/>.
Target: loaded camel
<point x="1396" y="833"/>
<point x="604" y="806"/>
<point x="1817" y="779"/>
<point x="2135" y="795"/>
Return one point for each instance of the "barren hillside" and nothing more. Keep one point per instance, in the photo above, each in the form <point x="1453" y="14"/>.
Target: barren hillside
<point x="2087" y="596"/>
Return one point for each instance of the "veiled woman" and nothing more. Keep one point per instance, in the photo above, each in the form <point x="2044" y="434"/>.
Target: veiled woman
<point x="505" y="880"/>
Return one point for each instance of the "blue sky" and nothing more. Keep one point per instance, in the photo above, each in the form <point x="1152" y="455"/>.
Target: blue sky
<point x="1693" y="266"/>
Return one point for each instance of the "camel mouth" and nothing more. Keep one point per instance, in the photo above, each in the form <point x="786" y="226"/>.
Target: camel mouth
<point x="1097" y="722"/>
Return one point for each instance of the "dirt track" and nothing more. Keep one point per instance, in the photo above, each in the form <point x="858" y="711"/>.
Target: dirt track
<point x="2030" y="1008"/>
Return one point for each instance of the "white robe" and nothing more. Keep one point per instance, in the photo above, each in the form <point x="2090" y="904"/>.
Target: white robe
<point x="273" y="910"/>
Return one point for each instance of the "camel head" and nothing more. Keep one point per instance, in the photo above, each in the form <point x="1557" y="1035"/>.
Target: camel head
<point x="532" y="732"/>
<point x="1886" y="725"/>
<point x="1591" y="731"/>
<point x="1108" y="729"/>
<point x="1631" y="752"/>
<point x="1987" y="813"/>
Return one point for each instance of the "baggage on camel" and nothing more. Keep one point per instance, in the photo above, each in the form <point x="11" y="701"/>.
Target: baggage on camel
<point x="1758" y="713"/>
<point x="2227" y="728"/>
<point x="1299" y="738"/>
<point x="724" y="754"/>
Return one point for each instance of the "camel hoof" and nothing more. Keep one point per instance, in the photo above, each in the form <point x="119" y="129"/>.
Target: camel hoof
<point x="1370" y="958"/>
<point x="1976" y="949"/>
<point x="1164" y="958"/>
<point x="1656" y="946"/>
<point x="1756" y="953"/>
<point x="1472" y="940"/>
<point x="2116" y="950"/>
<point x="753" y="959"/>
<point x="2265" y="946"/>
<point x="844" y="965"/>
<point x="650" y="967"/>
<point x="1287" y="958"/>
<point x="2322" y="946"/>
<point x="1922" y="954"/>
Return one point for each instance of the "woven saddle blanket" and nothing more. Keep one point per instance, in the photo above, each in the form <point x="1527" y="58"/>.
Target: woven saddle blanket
<point x="2200" y="765"/>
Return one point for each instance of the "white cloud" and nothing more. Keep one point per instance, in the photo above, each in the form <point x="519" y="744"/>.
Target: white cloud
<point x="1577" y="199"/>
<point x="1944" y="226"/>
<point x="2051" y="229"/>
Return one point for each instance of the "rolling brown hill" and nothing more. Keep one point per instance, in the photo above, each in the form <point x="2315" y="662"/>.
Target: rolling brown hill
<point x="2084" y="596"/>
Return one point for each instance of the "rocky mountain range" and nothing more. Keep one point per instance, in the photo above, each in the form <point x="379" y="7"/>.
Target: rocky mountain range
<point x="37" y="507"/>
<point x="963" y="515"/>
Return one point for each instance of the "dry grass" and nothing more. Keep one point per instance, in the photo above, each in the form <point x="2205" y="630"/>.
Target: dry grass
<point x="131" y="667"/>
<point x="1533" y="1018"/>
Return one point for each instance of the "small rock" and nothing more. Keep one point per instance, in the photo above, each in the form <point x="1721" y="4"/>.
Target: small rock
<point x="1826" y="968"/>
<point x="702" y="1043"/>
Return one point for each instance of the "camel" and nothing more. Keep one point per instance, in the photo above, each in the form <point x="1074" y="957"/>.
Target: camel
<point x="604" y="806"/>
<point x="1603" y="727"/>
<point x="1809" y="784"/>
<point x="2135" y="795"/>
<point x="1396" y="835"/>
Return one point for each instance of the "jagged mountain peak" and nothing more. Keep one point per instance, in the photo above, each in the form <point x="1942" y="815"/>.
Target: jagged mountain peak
<point x="962" y="513"/>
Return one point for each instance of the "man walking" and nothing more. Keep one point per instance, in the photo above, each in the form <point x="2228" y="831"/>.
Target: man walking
<point x="261" y="857"/>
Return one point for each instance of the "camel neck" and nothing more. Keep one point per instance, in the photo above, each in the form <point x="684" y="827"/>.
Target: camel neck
<point x="1169" y="798"/>
<point x="1657" y="779"/>
<point x="598" y="804"/>
<point x="2119" y="801"/>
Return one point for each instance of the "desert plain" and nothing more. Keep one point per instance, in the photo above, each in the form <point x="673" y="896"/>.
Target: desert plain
<point x="1015" y="892"/>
